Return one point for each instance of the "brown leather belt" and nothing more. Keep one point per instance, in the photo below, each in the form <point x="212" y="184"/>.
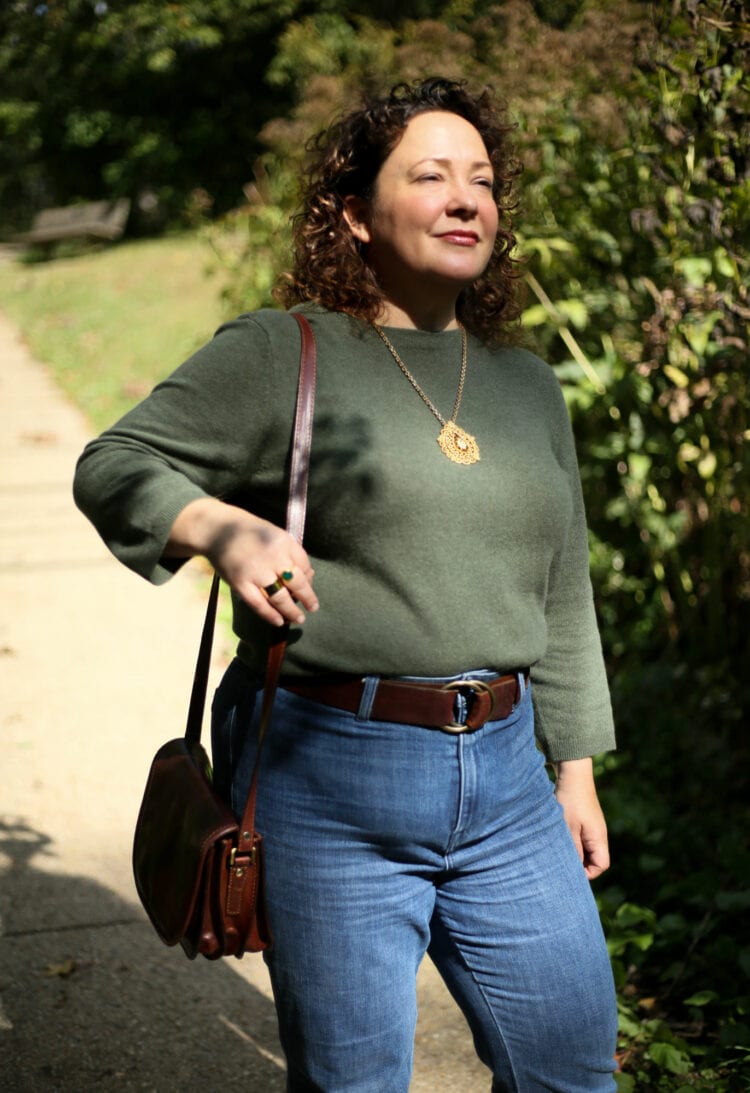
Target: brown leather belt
<point x="428" y="704"/>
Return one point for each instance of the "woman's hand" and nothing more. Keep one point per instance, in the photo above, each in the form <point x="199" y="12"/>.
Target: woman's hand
<point x="249" y="554"/>
<point x="576" y="792"/>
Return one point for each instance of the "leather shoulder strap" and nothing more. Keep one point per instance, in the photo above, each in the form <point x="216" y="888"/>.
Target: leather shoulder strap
<point x="295" y="525"/>
<point x="202" y="666"/>
<point x="302" y="439"/>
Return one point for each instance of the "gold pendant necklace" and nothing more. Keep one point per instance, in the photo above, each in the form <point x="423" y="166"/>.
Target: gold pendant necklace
<point x="458" y="445"/>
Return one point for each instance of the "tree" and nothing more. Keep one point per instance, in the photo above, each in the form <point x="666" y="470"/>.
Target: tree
<point x="115" y="98"/>
<point x="150" y="100"/>
<point x="141" y="99"/>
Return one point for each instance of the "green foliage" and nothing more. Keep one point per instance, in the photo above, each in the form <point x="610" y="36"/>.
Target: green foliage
<point x="132" y="98"/>
<point x="635" y="128"/>
<point x="639" y="276"/>
<point x="151" y="101"/>
<point x="558" y="13"/>
<point x="638" y="255"/>
<point x="675" y="903"/>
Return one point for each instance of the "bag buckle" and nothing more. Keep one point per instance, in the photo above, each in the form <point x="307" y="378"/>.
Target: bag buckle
<point x="479" y="687"/>
<point x="233" y="856"/>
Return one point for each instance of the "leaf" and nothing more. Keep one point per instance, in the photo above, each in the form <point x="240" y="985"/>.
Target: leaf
<point x="707" y="465"/>
<point x="694" y="270"/>
<point x="642" y="941"/>
<point x="161" y="60"/>
<point x="575" y="311"/>
<point x="569" y="311"/>
<point x="701" y="998"/>
<point x="698" y="334"/>
<point x="723" y="263"/>
<point x="630" y="914"/>
<point x="639" y="465"/>
<point x="669" y="1058"/>
<point x="535" y="316"/>
<point x="625" y="1083"/>
<point x="61" y="971"/>
<point x="628" y="1026"/>
<point x="677" y="376"/>
<point x="733" y="901"/>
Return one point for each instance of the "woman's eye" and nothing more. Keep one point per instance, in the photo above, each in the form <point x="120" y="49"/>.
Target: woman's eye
<point x="487" y="182"/>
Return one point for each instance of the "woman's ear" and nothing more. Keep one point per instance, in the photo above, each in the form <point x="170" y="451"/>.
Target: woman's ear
<point x="356" y="211"/>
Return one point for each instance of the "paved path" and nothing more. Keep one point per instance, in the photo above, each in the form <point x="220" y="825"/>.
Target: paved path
<point x="95" y="667"/>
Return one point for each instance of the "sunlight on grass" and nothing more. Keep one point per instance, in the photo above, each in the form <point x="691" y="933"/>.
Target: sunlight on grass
<point x="113" y="322"/>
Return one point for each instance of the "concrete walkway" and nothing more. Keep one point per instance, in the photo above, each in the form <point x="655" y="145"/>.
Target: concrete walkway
<point x="95" y="668"/>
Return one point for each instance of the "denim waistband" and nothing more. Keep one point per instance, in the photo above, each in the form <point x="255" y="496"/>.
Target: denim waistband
<point x="475" y="673"/>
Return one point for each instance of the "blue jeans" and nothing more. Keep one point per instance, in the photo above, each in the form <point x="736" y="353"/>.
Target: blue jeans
<point x="386" y="841"/>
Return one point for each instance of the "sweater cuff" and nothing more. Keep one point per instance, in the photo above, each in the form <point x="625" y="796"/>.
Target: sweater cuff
<point x="144" y="553"/>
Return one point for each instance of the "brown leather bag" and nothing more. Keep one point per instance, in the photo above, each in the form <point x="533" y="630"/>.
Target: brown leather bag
<point x="198" y="872"/>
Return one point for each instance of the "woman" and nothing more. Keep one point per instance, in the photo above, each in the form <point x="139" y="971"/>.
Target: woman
<point x="404" y="804"/>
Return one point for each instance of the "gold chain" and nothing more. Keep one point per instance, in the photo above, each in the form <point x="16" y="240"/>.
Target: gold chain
<point x="455" y="443"/>
<point x="415" y="385"/>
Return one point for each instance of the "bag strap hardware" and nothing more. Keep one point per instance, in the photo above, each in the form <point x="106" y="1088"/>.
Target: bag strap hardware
<point x="248" y="860"/>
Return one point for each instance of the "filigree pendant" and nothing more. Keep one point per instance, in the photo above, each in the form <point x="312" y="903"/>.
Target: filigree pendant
<point x="458" y="445"/>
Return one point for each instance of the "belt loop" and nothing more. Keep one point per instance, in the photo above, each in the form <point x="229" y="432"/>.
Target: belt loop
<point x="460" y="708"/>
<point x="369" y="690"/>
<point x="521" y="677"/>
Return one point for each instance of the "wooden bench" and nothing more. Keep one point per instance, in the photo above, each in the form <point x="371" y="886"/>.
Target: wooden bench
<point x="90" y="220"/>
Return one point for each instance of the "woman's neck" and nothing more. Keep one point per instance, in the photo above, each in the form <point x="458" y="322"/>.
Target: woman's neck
<point x="412" y="320"/>
<point x="430" y="311"/>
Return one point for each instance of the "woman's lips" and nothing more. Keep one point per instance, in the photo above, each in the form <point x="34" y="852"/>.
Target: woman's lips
<point x="463" y="239"/>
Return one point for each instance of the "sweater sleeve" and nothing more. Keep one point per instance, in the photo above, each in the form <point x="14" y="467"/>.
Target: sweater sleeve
<point x="201" y="432"/>
<point x="572" y="706"/>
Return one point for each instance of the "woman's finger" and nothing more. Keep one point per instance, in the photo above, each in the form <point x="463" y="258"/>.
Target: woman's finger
<point x="276" y="609"/>
<point x="280" y="598"/>
<point x="297" y="583"/>
<point x="289" y="593"/>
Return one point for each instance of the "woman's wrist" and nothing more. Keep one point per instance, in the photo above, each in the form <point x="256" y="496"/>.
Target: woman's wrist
<point x="199" y="525"/>
<point x="575" y="776"/>
<point x="576" y="773"/>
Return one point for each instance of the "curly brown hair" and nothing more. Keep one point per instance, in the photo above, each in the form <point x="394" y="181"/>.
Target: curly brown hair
<point x="328" y="266"/>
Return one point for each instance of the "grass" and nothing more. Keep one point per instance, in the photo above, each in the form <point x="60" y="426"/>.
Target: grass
<point x="110" y="323"/>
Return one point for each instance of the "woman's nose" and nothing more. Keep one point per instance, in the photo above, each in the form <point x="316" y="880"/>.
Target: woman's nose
<point x="463" y="201"/>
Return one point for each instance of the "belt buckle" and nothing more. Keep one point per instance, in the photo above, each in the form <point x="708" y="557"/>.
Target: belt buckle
<point x="479" y="687"/>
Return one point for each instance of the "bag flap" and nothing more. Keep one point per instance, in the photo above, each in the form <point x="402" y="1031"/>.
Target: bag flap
<point x="180" y="818"/>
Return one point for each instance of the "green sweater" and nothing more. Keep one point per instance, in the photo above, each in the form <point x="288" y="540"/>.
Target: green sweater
<point x="422" y="566"/>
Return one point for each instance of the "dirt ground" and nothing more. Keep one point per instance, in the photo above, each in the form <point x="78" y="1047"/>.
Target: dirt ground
<point x="95" y="668"/>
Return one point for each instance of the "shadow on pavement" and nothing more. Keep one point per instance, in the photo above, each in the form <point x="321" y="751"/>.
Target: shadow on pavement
<point x="91" y="1000"/>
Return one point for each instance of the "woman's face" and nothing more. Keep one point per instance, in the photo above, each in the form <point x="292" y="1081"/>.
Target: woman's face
<point x="433" y="217"/>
